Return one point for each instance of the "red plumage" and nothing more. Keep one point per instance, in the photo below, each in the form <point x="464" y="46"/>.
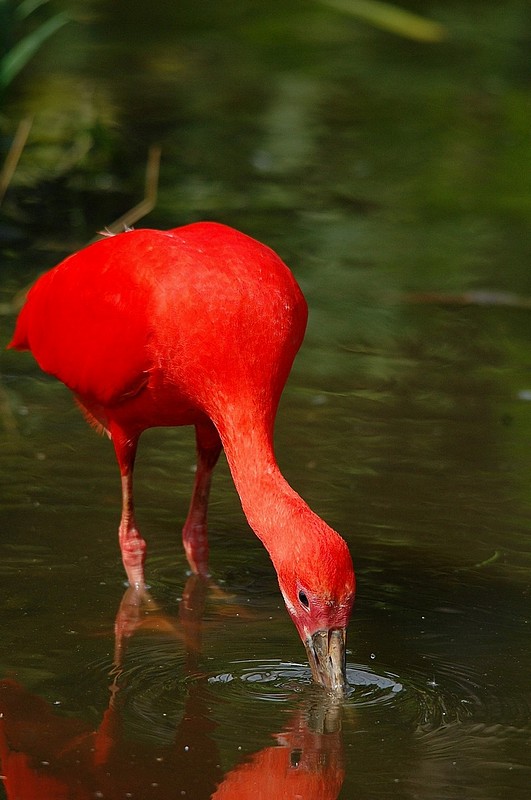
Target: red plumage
<point x="197" y="325"/>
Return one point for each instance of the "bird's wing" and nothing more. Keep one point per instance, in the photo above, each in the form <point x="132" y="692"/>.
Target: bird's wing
<point x="85" y="322"/>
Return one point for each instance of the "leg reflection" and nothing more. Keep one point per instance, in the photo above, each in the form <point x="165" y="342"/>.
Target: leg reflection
<point x="49" y="757"/>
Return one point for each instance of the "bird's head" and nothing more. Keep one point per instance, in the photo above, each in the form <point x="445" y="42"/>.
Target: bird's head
<point x="318" y="584"/>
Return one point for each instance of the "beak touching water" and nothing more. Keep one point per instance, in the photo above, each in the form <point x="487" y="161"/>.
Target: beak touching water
<point x="327" y="657"/>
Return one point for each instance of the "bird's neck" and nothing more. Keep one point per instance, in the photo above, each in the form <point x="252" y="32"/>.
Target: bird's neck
<point x="273" y="509"/>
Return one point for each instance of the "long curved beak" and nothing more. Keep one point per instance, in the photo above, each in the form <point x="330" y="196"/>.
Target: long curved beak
<point x="326" y="654"/>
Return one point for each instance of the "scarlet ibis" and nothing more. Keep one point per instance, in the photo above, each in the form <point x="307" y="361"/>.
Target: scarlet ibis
<point x="198" y="325"/>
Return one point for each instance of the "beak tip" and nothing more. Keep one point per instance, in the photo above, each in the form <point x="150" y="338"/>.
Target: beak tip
<point x="326" y="654"/>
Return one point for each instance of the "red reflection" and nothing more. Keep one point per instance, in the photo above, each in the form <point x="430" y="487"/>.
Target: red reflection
<point x="48" y="757"/>
<point x="304" y="764"/>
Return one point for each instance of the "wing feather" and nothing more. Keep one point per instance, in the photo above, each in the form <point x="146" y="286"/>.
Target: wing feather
<point x="85" y="321"/>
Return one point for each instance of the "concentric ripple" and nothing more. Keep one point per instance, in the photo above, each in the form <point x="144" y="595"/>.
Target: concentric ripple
<point x="157" y="680"/>
<point x="416" y="700"/>
<point x="277" y="681"/>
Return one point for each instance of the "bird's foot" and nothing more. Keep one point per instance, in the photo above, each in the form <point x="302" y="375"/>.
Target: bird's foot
<point x="133" y="549"/>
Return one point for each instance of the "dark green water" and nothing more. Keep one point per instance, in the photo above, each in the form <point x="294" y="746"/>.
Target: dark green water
<point x="377" y="167"/>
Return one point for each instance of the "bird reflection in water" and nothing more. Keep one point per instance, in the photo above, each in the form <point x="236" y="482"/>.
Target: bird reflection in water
<point x="46" y="756"/>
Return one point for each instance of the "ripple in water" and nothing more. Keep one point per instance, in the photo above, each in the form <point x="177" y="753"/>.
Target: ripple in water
<point x="157" y="678"/>
<point x="276" y="681"/>
<point x="417" y="700"/>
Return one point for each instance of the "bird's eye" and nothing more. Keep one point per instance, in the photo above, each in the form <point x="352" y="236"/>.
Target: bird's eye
<point x="295" y="758"/>
<point x="303" y="599"/>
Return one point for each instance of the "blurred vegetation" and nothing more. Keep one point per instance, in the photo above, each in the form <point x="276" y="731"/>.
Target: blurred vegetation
<point x="368" y="159"/>
<point x="377" y="164"/>
<point x="21" y="41"/>
<point x="18" y="45"/>
<point x="64" y="135"/>
<point x="391" y="18"/>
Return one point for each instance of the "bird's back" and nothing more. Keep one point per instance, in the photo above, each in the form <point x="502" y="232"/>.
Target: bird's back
<point x="201" y="310"/>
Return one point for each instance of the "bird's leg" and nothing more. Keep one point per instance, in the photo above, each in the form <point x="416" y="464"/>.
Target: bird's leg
<point x="195" y="537"/>
<point x="132" y="545"/>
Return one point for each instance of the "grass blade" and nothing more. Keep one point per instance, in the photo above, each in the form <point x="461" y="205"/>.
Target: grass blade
<point x="22" y="52"/>
<point x="391" y="18"/>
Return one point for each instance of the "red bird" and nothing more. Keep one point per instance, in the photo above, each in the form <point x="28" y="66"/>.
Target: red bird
<point x="198" y="326"/>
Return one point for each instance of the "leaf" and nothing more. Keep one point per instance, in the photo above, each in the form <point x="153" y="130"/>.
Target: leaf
<point x="391" y="18"/>
<point x="22" y="52"/>
<point x="27" y="7"/>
